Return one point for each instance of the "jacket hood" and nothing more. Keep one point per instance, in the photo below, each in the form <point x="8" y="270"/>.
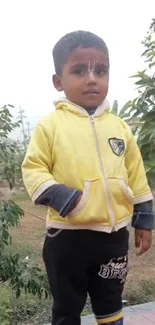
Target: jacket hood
<point x="64" y="103"/>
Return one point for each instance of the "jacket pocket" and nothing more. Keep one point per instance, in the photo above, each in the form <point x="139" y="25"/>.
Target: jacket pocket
<point x="122" y="198"/>
<point x="126" y="191"/>
<point x="53" y="233"/>
<point x="92" y="207"/>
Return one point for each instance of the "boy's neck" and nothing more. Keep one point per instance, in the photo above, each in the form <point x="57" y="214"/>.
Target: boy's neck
<point x="90" y="111"/>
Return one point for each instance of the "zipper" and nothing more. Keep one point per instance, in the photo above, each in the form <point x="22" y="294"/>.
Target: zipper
<point x="111" y="213"/>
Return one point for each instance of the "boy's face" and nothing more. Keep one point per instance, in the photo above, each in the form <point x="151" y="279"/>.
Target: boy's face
<point x="84" y="77"/>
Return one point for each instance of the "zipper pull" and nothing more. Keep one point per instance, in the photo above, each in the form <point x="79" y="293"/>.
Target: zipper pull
<point x="92" y="118"/>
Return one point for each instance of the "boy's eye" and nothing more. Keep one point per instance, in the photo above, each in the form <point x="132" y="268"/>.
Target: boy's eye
<point x="79" y="71"/>
<point x="100" y="72"/>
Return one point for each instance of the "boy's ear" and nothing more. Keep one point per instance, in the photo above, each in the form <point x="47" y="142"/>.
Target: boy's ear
<point x="57" y="82"/>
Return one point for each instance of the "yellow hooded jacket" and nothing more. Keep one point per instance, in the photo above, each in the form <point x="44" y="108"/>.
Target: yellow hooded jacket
<point x="97" y="155"/>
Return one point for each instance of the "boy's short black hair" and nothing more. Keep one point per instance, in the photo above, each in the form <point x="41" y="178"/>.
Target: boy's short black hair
<point x="73" y="40"/>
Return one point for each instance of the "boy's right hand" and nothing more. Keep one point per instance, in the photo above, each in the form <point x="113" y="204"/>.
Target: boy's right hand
<point x="76" y="203"/>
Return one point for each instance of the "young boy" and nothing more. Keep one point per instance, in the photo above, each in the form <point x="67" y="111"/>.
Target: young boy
<point x="84" y="164"/>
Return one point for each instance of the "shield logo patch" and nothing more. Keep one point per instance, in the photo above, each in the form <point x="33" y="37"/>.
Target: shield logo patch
<point x="117" y="146"/>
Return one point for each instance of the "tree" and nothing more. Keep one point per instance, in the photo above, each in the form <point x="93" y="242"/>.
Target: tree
<point x="122" y="113"/>
<point x="125" y="114"/>
<point x="10" y="166"/>
<point x="140" y="113"/>
<point x="15" y="273"/>
<point x="7" y="147"/>
<point x="143" y="106"/>
<point x="11" y="152"/>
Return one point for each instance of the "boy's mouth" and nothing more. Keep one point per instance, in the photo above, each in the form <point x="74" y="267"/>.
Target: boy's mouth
<point x="91" y="92"/>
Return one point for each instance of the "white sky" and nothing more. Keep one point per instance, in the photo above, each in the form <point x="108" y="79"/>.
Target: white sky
<point x="30" y="28"/>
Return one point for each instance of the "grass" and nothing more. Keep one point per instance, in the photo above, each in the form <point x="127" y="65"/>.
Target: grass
<point x="145" y="292"/>
<point x="25" y="310"/>
<point x="28" y="240"/>
<point x="29" y="310"/>
<point x="22" y="196"/>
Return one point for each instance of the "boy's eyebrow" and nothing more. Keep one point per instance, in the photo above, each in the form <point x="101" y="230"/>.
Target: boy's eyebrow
<point x="85" y="64"/>
<point x="101" y="64"/>
<point x="79" y="64"/>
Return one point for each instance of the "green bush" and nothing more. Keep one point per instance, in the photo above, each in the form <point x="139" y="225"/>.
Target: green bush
<point x="5" y="308"/>
<point x="17" y="275"/>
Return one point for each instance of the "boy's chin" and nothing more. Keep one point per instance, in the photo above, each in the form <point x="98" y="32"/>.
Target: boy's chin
<point x="92" y="102"/>
<point x="91" y="105"/>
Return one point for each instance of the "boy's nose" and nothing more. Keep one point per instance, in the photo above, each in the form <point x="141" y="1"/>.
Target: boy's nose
<point x="91" y="78"/>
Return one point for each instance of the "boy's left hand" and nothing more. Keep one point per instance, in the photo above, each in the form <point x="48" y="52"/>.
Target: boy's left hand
<point x="143" y="240"/>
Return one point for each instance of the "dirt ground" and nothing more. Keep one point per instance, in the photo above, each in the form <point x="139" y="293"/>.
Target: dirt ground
<point x="29" y="237"/>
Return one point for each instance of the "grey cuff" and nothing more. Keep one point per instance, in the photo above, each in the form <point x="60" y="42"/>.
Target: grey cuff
<point x="143" y="220"/>
<point x="143" y="217"/>
<point x="60" y="198"/>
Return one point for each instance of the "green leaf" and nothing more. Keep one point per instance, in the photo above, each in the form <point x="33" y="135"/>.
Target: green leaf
<point x="114" y="109"/>
<point x="139" y="74"/>
<point x="147" y="168"/>
<point x="125" y="108"/>
<point x="148" y="116"/>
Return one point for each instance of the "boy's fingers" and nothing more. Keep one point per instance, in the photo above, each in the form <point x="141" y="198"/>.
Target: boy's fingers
<point x="137" y="239"/>
<point x="143" y="240"/>
<point x="144" y="246"/>
<point x="139" y="247"/>
<point x="140" y="250"/>
<point x="147" y="240"/>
